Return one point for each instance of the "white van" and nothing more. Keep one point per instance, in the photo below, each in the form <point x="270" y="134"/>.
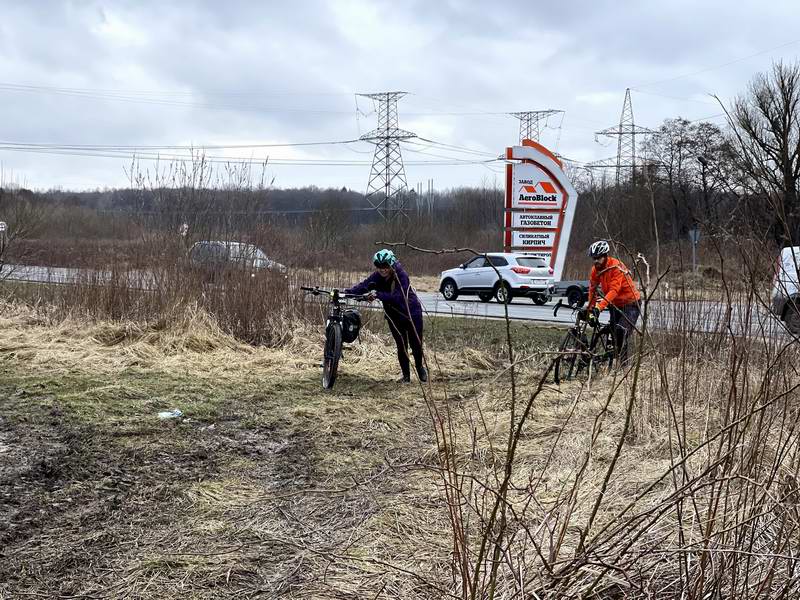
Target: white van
<point x="786" y="290"/>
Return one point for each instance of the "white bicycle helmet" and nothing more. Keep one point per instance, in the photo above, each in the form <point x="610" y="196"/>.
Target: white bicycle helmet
<point x="598" y="249"/>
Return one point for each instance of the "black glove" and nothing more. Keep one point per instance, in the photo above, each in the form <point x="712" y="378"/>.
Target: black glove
<point x="593" y="317"/>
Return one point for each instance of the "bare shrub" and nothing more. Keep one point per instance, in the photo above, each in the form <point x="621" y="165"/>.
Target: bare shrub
<point x="675" y="477"/>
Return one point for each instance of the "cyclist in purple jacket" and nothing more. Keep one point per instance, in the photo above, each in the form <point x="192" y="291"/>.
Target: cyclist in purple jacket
<point x="390" y="284"/>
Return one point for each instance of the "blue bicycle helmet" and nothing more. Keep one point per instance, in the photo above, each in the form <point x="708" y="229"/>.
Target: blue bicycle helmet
<point x="384" y="258"/>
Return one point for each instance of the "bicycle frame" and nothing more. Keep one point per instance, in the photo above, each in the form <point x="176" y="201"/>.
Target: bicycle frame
<point x="333" y="331"/>
<point x="586" y="354"/>
<point x="334" y="308"/>
<point x="335" y="304"/>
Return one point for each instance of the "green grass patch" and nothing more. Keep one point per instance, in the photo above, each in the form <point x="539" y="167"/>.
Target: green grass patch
<point x="444" y="333"/>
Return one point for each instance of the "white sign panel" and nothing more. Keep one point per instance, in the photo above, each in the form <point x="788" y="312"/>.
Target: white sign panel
<point x="533" y="239"/>
<point x="534" y="220"/>
<point x="533" y="188"/>
<point x="539" y="196"/>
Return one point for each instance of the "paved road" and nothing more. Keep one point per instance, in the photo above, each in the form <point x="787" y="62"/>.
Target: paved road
<point x="64" y="275"/>
<point x="697" y="316"/>
<point x="519" y="309"/>
<point x="702" y="316"/>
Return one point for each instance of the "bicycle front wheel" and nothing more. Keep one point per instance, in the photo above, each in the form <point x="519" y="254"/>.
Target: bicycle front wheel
<point x="333" y="352"/>
<point x="570" y="360"/>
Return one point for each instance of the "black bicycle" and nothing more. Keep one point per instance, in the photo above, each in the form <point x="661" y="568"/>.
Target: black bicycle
<point x="341" y="326"/>
<point x="581" y="353"/>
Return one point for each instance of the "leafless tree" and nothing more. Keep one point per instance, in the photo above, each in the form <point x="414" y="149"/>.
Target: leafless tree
<point x="766" y="131"/>
<point x="24" y="216"/>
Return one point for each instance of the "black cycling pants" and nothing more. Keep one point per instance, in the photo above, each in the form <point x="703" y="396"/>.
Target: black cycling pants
<point x="623" y="323"/>
<point x="407" y="333"/>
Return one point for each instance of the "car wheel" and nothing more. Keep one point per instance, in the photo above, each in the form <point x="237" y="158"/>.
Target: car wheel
<point x="449" y="289"/>
<point x="503" y="293"/>
<point x="575" y="297"/>
<point x="793" y="319"/>
<point x="485" y="296"/>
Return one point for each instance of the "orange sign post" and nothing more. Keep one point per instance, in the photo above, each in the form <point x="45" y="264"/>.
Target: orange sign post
<point x="540" y="204"/>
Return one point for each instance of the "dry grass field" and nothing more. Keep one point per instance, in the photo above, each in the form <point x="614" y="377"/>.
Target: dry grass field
<point x="270" y="487"/>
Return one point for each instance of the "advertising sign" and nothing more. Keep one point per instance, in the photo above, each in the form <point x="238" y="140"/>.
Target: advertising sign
<point x="533" y="239"/>
<point x="540" y="204"/>
<point x="534" y="188"/>
<point x="534" y="220"/>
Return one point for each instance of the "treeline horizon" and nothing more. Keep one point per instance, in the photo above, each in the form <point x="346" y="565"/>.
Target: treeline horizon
<point x="729" y="184"/>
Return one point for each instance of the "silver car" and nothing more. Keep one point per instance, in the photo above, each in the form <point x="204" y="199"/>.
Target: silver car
<point x="520" y="274"/>
<point x="217" y="255"/>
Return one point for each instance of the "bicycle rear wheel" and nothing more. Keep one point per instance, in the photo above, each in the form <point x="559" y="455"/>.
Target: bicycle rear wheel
<point x="333" y="352"/>
<point x="570" y="362"/>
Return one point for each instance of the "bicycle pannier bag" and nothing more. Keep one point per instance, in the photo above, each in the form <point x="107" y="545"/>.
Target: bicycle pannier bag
<point x="351" y="325"/>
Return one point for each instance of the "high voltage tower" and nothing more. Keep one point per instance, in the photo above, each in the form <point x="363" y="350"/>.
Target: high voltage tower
<point x="529" y="123"/>
<point x="626" y="133"/>
<point x="386" y="190"/>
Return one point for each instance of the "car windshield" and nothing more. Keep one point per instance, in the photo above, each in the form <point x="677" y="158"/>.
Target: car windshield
<point x="531" y="262"/>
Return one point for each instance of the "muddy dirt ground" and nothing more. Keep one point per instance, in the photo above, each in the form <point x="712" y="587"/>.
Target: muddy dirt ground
<point x="267" y="487"/>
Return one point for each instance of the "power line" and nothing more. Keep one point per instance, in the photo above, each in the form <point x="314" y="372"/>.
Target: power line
<point x="159" y="99"/>
<point x="142" y="99"/>
<point x="46" y="88"/>
<point x="708" y="118"/>
<point x="266" y="161"/>
<point x="675" y="97"/>
<point x="719" y="66"/>
<point x="166" y="98"/>
<point x="439" y="155"/>
<point x="173" y="147"/>
<point x="454" y="147"/>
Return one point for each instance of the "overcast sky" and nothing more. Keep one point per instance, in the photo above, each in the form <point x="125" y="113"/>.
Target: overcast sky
<point x="243" y="73"/>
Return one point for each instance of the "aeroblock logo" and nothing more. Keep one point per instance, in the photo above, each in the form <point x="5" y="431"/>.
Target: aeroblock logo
<point x="543" y="191"/>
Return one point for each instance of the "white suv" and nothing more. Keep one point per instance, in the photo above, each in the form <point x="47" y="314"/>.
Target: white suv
<point x="520" y="275"/>
<point x="786" y="289"/>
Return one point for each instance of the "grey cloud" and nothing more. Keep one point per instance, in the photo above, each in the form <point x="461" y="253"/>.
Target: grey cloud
<point x="250" y="59"/>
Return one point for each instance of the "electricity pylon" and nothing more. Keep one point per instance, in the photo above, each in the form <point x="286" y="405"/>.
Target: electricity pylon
<point x="626" y="133"/>
<point x="386" y="190"/>
<point x="529" y="123"/>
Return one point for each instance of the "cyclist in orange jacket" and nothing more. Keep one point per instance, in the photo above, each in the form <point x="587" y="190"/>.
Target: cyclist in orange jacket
<point x="619" y="295"/>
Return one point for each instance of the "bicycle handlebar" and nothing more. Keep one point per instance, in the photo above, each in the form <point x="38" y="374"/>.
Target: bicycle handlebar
<point x="316" y="291"/>
<point x="581" y="315"/>
<point x="559" y="304"/>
